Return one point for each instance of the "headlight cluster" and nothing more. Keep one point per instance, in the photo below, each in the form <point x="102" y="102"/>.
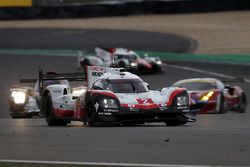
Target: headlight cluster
<point x="109" y="103"/>
<point x="182" y="101"/>
<point x="207" y="96"/>
<point x="19" y="97"/>
<point x="159" y="62"/>
<point x="133" y="64"/>
<point x="78" y="91"/>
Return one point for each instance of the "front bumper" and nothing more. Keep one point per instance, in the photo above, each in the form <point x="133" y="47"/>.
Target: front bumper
<point x="144" y="115"/>
<point x="28" y="109"/>
<point x="204" y="107"/>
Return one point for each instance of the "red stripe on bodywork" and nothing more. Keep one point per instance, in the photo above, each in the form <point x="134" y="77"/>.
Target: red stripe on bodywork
<point x="63" y="113"/>
<point x="141" y="106"/>
<point x="103" y="93"/>
<point x="144" y="62"/>
<point x="173" y="95"/>
<point x="125" y="105"/>
<point x="146" y="106"/>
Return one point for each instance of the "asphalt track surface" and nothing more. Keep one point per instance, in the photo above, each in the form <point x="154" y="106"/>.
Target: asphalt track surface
<point x="222" y="139"/>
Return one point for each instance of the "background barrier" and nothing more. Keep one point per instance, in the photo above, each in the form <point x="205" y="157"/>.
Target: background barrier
<point x="16" y="3"/>
<point x="41" y="9"/>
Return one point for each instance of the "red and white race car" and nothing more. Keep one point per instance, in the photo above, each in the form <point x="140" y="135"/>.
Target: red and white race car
<point x="210" y="95"/>
<point x="112" y="96"/>
<point x="121" y="57"/>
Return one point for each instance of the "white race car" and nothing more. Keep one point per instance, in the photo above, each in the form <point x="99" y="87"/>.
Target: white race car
<point x="113" y="96"/>
<point x="121" y="57"/>
<point x="25" y="101"/>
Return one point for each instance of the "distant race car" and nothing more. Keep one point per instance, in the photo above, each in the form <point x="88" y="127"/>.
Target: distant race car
<point x="123" y="58"/>
<point x="88" y="60"/>
<point x="209" y="95"/>
<point x="24" y="101"/>
<point x="113" y="96"/>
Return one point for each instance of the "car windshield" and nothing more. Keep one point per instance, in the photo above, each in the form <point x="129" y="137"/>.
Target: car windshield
<point x="127" y="86"/>
<point x="197" y="85"/>
<point x="129" y="56"/>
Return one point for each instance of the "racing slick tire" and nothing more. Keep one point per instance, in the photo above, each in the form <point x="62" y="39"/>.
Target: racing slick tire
<point x="91" y="116"/>
<point x="222" y="105"/>
<point x="49" y="115"/>
<point x="243" y="104"/>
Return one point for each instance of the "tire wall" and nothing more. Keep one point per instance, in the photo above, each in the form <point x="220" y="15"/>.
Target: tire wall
<point x="42" y="9"/>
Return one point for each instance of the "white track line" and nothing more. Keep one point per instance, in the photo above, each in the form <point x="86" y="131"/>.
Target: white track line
<point x="101" y="164"/>
<point x="204" y="72"/>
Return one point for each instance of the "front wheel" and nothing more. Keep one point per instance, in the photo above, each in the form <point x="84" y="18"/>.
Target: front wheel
<point x="49" y="114"/>
<point x="91" y="116"/>
<point x="222" y="104"/>
<point x="242" y="105"/>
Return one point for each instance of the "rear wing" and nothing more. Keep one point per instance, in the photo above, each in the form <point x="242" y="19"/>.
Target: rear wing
<point x="93" y="73"/>
<point x="80" y="76"/>
<point x="24" y="80"/>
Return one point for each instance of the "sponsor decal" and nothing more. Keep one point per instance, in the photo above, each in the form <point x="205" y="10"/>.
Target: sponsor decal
<point x="162" y="108"/>
<point x="182" y="107"/>
<point x="96" y="107"/>
<point x="110" y="110"/>
<point x="93" y="73"/>
<point x="96" y="68"/>
<point x="97" y="74"/>
<point x="145" y="101"/>
<point x="133" y="109"/>
<point x="104" y="113"/>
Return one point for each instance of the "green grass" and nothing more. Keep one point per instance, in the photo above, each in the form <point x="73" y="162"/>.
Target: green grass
<point x="242" y="59"/>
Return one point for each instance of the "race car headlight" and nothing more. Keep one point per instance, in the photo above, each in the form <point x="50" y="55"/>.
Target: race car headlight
<point x="78" y="91"/>
<point x="159" y="62"/>
<point x="133" y="64"/>
<point x="182" y="101"/>
<point x="18" y="97"/>
<point x="207" y="96"/>
<point x="109" y="103"/>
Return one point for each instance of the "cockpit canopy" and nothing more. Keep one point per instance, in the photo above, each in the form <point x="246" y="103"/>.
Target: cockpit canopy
<point x="121" y="86"/>
<point x="197" y="85"/>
